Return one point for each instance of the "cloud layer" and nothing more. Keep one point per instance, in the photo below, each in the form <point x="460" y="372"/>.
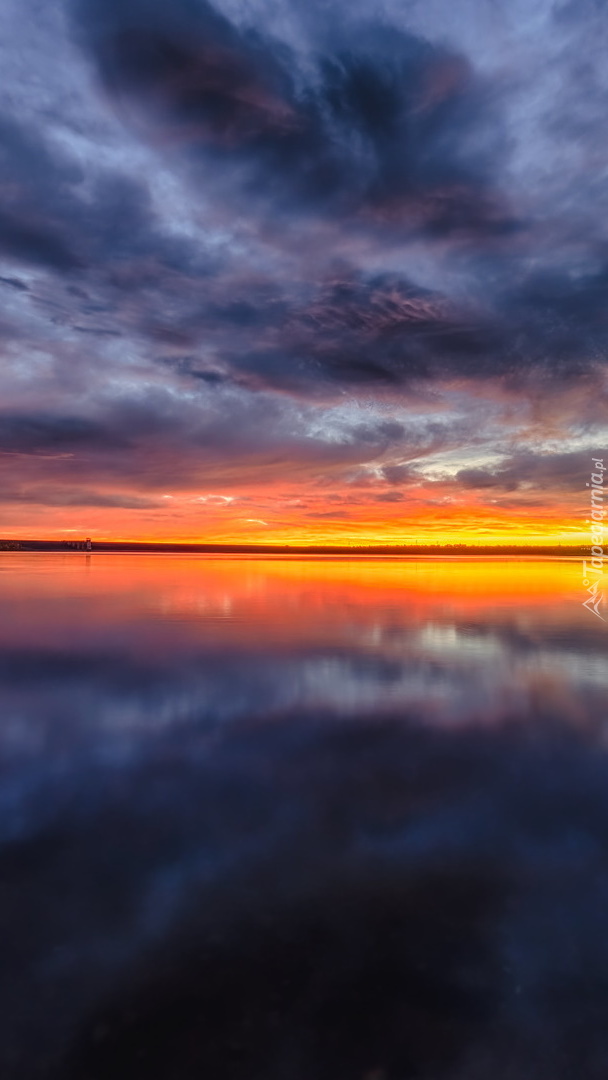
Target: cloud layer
<point x="227" y="233"/>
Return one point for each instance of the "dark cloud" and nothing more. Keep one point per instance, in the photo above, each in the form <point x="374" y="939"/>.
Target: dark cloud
<point x="383" y="128"/>
<point x="159" y="440"/>
<point x="558" y="320"/>
<point x="567" y="472"/>
<point x="400" y="474"/>
<point x="66" y="496"/>
<point x="387" y="125"/>
<point x="35" y="188"/>
<point x="15" y="283"/>
<point x="39" y="433"/>
<point x="57" y="215"/>
<point x="382" y="332"/>
<point x="482" y="478"/>
<point x="377" y="333"/>
<point x="385" y="331"/>
<point x="26" y="240"/>
<point x="331" y="515"/>
<point x="318" y="207"/>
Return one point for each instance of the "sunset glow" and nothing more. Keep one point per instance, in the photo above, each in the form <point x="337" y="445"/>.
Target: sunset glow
<point x="346" y="285"/>
<point x="363" y="524"/>
<point x="304" y="539"/>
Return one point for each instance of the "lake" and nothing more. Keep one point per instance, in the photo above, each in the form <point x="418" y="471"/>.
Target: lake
<point x="222" y="776"/>
<point x="96" y="650"/>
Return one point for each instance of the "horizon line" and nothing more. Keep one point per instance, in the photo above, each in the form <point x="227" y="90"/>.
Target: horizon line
<point x="38" y="544"/>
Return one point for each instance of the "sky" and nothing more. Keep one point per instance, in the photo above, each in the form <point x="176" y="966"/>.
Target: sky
<point x="308" y="271"/>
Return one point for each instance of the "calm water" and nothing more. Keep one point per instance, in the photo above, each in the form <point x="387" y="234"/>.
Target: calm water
<point x="264" y="790"/>
<point x="97" y="650"/>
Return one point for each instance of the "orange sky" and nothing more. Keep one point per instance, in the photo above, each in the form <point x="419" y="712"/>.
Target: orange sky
<point x="269" y="516"/>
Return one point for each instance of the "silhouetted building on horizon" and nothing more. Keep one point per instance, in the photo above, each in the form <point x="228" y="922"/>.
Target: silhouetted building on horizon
<point x="79" y="545"/>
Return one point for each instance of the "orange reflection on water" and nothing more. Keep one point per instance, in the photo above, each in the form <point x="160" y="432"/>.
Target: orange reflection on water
<point x="272" y="599"/>
<point x="460" y="638"/>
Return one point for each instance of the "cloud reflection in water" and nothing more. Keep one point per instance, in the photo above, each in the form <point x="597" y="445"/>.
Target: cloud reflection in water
<point x="293" y="819"/>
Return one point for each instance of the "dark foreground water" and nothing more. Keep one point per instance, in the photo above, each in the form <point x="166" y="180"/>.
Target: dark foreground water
<point x="302" y="820"/>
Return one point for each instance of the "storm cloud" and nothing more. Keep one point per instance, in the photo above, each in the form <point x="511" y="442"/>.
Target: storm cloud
<point x="385" y="124"/>
<point x="290" y="213"/>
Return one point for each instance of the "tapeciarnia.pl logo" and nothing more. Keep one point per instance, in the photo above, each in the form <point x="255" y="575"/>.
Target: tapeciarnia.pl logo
<point x="593" y="571"/>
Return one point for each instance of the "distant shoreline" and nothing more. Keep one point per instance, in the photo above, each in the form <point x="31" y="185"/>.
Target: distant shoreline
<point x="350" y="550"/>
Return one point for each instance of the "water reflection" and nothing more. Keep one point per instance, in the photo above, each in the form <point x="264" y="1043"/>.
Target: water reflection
<point x="120" y="644"/>
<point x="301" y="818"/>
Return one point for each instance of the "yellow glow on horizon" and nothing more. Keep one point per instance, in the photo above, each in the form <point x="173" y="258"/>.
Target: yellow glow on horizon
<point x="259" y="516"/>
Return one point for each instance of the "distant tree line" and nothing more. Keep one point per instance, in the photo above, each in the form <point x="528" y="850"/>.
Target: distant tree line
<point x="299" y="549"/>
